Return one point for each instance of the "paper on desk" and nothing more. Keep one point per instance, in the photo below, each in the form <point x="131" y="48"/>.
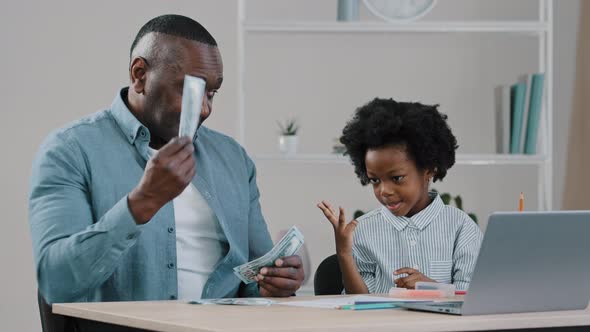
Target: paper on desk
<point x="251" y="301"/>
<point x="334" y="303"/>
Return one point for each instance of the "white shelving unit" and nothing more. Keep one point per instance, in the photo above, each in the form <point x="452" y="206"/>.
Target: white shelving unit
<point x="542" y="28"/>
<point x="461" y="159"/>
<point x="360" y="27"/>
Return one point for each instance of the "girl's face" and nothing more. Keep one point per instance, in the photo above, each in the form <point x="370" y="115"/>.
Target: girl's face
<point x="397" y="183"/>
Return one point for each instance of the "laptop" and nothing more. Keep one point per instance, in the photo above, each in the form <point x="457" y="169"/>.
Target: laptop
<point x="528" y="261"/>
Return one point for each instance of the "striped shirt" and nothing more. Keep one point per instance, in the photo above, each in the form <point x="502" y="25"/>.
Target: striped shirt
<point x="440" y="241"/>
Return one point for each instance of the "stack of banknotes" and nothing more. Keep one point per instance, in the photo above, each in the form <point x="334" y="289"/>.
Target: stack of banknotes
<point x="287" y="246"/>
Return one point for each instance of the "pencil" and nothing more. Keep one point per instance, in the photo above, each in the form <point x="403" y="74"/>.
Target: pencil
<point x="521" y="202"/>
<point x="368" y="306"/>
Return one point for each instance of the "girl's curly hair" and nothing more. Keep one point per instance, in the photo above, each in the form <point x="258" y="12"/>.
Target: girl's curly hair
<point x="421" y="129"/>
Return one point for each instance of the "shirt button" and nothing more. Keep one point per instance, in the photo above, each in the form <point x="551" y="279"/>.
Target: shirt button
<point x="170" y="229"/>
<point x="413" y="242"/>
<point x="172" y="297"/>
<point x="142" y="133"/>
<point x="417" y="267"/>
<point x="170" y="265"/>
<point x="130" y="237"/>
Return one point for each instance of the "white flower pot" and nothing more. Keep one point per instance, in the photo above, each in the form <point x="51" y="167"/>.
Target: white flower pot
<point x="288" y="144"/>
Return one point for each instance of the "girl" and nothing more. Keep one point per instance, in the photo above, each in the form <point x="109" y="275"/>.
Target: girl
<point x="399" y="148"/>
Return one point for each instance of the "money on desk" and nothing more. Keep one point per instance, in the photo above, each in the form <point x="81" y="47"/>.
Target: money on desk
<point x="251" y="301"/>
<point x="193" y="92"/>
<point x="287" y="246"/>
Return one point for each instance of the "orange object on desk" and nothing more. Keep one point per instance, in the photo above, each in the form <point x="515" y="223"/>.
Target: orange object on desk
<point x="417" y="293"/>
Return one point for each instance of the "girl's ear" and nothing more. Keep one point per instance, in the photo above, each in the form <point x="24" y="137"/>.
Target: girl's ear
<point x="429" y="175"/>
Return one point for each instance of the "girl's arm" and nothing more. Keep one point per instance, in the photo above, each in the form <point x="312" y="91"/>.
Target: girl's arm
<point x="467" y="246"/>
<point x="343" y="232"/>
<point x="353" y="282"/>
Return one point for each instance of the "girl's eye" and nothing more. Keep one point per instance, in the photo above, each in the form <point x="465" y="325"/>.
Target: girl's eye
<point x="398" y="178"/>
<point x="373" y="181"/>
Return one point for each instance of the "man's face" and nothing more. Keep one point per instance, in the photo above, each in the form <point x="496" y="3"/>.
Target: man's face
<point x="164" y="84"/>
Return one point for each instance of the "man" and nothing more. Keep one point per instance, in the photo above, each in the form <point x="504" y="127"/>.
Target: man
<point x="121" y="209"/>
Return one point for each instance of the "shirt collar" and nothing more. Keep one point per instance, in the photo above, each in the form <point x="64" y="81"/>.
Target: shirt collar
<point x="421" y="219"/>
<point x="131" y="127"/>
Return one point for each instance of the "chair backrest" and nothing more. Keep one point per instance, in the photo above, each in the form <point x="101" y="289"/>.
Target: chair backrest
<point x="51" y="322"/>
<point x="328" y="277"/>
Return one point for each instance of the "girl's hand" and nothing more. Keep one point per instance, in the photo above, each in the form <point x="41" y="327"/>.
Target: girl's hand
<point x="343" y="231"/>
<point x="409" y="282"/>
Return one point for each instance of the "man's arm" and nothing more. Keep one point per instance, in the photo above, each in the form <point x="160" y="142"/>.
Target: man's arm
<point x="73" y="254"/>
<point x="259" y="240"/>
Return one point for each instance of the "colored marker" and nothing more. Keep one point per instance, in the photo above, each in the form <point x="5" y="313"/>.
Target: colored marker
<point x="369" y="306"/>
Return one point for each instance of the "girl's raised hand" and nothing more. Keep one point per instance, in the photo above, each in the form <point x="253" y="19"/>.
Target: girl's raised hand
<point x="343" y="231"/>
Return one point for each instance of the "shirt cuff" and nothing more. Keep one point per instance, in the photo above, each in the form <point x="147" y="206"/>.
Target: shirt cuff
<point x="119" y="223"/>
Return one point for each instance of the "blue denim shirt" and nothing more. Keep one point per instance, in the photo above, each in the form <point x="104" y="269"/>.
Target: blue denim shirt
<point x="86" y="244"/>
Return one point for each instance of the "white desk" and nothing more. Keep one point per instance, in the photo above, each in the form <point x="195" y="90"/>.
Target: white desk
<point x="174" y="316"/>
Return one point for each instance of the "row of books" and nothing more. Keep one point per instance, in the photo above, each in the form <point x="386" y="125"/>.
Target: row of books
<point x="518" y="113"/>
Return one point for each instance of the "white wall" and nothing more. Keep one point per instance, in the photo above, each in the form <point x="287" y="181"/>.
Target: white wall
<point x="61" y="60"/>
<point x="566" y="28"/>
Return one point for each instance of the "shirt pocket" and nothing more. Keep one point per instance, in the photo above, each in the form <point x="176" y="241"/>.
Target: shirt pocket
<point x="441" y="271"/>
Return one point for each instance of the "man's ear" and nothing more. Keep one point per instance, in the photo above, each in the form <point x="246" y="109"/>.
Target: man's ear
<point x="137" y="73"/>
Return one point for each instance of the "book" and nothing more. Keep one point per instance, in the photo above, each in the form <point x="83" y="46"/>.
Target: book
<point x="517" y="95"/>
<point x="527" y="80"/>
<point x="502" y="103"/>
<point x="534" y="114"/>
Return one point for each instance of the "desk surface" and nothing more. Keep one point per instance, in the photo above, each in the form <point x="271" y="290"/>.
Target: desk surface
<point x="175" y="316"/>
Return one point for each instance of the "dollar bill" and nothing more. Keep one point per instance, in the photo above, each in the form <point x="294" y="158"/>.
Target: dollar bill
<point x="288" y="245"/>
<point x="193" y="92"/>
<point x="252" y="301"/>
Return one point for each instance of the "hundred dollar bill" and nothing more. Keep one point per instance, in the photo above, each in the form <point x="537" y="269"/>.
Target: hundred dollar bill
<point x="252" y="301"/>
<point x="193" y="92"/>
<point x="287" y="246"/>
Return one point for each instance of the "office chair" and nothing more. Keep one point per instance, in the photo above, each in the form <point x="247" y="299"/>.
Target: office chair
<point x="328" y="277"/>
<point x="51" y="322"/>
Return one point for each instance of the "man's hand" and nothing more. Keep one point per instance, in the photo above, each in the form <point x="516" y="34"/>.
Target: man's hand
<point x="166" y="175"/>
<point x="283" y="279"/>
<point x="409" y="281"/>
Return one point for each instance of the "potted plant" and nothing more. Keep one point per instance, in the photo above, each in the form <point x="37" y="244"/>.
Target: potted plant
<point x="447" y="198"/>
<point x="288" y="139"/>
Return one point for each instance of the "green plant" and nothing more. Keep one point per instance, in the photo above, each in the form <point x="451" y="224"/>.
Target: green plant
<point x="289" y="127"/>
<point x="357" y="214"/>
<point x="447" y="198"/>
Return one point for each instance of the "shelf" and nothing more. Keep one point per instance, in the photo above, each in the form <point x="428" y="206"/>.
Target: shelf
<point x="461" y="159"/>
<point x="539" y="27"/>
<point x="454" y="26"/>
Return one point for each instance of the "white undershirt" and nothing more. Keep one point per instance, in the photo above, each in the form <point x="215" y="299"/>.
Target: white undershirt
<point x="200" y="242"/>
